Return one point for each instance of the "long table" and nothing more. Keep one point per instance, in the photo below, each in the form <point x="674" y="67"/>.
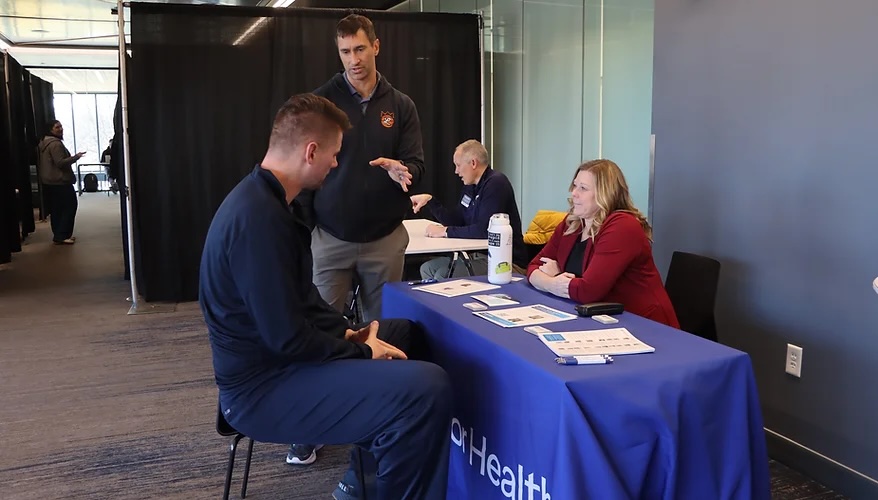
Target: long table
<point x="420" y="243"/>
<point x="683" y="422"/>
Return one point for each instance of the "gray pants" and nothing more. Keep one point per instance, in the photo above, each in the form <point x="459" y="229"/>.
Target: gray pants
<point x="374" y="263"/>
<point x="438" y="268"/>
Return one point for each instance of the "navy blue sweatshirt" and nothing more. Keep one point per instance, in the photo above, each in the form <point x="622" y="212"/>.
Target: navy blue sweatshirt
<point x="358" y="202"/>
<point x="263" y="312"/>
<point x="493" y="194"/>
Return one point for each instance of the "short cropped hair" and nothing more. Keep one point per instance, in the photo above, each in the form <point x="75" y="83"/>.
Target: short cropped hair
<point x="351" y="24"/>
<point x="473" y="150"/>
<point x="306" y="117"/>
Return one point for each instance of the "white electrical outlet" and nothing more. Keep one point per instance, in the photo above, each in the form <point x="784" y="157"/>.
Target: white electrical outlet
<point x="794" y="360"/>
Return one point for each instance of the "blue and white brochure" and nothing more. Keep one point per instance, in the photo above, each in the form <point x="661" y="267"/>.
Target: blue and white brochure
<point x="454" y="288"/>
<point x="496" y="299"/>
<point x="525" y="316"/>
<point x="609" y="341"/>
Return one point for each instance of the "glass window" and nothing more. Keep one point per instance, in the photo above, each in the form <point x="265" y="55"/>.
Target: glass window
<point x="88" y="126"/>
<point x="85" y="131"/>
<point x="64" y="114"/>
<point x="106" y="106"/>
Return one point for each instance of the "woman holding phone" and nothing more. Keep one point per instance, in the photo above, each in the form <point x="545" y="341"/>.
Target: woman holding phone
<point x="57" y="178"/>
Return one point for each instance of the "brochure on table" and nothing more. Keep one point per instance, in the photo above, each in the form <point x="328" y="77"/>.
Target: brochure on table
<point x="455" y="288"/>
<point x="525" y="316"/>
<point x="611" y="341"/>
<point x="496" y="299"/>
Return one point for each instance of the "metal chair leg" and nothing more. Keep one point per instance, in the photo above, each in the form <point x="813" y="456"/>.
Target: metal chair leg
<point x="468" y="263"/>
<point x="232" y="448"/>
<point x="454" y="258"/>
<point x="361" y="476"/>
<point x="247" y="469"/>
<point x="355" y="305"/>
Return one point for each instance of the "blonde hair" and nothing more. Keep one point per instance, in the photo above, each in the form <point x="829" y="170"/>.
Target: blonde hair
<point x="610" y="194"/>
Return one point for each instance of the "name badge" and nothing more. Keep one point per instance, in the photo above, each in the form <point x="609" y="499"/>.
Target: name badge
<point x="466" y="200"/>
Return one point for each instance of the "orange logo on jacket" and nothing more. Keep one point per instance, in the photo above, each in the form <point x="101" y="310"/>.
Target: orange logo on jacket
<point x="387" y="119"/>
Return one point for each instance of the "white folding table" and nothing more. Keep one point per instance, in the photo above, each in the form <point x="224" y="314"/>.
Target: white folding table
<point x="420" y="243"/>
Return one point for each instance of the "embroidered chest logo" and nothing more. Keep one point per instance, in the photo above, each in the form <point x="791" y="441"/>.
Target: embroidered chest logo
<point x="386" y="119"/>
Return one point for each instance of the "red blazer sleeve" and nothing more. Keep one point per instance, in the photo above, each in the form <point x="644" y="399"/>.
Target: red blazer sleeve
<point x="550" y="249"/>
<point x="616" y="246"/>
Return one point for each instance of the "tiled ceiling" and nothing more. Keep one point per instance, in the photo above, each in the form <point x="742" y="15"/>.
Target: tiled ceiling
<point x="34" y="57"/>
<point x="80" y="81"/>
<point x="58" y="22"/>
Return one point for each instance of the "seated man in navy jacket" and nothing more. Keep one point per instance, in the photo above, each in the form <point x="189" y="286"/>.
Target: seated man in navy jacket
<point x="485" y="192"/>
<point x="290" y="369"/>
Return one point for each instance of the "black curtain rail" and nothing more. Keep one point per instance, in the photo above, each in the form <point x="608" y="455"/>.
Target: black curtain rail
<point x="96" y="48"/>
<point x="41" y="18"/>
<point x="115" y="10"/>
<point x="273" y="12"/>
<point x="77" y="68"/>
<point x="57" y="40"/>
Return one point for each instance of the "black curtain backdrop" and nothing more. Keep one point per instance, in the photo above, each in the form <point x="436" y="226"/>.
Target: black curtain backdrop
<point x="43" y="99"/>
<point x="8" y="218"/>
<point x="20" y="114"/>
<point x="206" y="81"/>
<point x="18" y="142"/>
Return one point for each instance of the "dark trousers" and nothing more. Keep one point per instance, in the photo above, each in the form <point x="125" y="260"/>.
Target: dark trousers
<point x="399" y="411"/>
<point x="61" y="203"/>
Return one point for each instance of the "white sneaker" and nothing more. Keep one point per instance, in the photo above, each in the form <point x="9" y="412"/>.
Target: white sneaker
<point x="302" y="454"/>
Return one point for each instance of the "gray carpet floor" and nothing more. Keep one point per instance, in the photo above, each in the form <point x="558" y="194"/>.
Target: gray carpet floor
<point x="98" y="404"/>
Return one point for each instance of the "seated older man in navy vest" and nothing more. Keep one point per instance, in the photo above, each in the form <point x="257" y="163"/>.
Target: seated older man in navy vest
<point x="485" y="192"/>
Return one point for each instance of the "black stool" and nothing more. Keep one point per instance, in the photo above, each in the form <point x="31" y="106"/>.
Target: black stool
<point x="223" y="428"/>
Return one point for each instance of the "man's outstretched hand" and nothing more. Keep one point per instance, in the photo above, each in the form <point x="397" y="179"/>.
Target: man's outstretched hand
<point x="419" y="201"/>
<point x="396" y="170"/>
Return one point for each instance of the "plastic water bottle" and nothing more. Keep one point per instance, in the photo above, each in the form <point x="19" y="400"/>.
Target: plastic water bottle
<point x="499" y="249"/>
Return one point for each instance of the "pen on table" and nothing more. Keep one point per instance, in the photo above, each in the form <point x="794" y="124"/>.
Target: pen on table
<point x="422" y="282"/>
<point x="597" y="359"/>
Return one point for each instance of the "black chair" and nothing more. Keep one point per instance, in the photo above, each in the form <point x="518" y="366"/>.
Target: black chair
<point x="691" y="284"/>
<point x="532" y="250"/>
<point x="223" y="428"/>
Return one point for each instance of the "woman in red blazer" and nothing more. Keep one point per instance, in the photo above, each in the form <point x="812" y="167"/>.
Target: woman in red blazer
<point x="602" y="252"/>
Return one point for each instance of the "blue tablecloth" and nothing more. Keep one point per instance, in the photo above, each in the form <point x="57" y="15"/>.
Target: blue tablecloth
<point x="681" y="423"/>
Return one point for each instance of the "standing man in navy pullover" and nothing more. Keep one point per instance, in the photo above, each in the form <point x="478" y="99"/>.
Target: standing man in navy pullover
<point x="485" y="192"/>
<point x="357" y="214"/>
<point x="289" y="367"/>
